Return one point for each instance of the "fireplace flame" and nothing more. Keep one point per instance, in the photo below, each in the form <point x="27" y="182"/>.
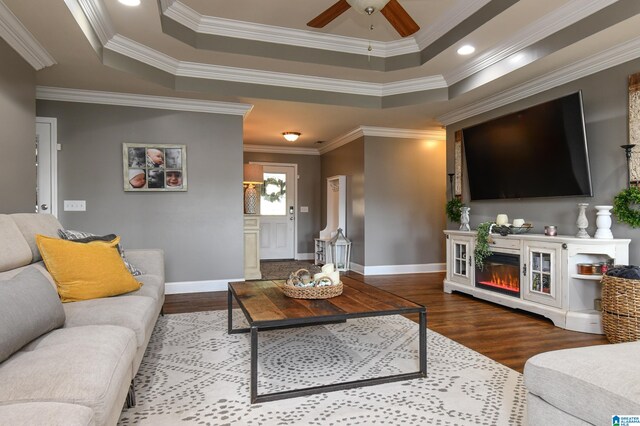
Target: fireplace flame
<point x="506" y="281"/>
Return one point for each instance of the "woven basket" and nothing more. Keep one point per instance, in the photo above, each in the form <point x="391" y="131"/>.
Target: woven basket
<point x="621" y="309"/>
<point x="324" y="292"/>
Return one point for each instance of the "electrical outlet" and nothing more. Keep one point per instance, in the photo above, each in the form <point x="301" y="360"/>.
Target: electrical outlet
<point x="75" y="205"/>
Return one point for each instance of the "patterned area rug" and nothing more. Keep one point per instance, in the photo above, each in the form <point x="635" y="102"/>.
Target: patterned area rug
<point x="194" y="373"/>
<point x="280" y="270"/>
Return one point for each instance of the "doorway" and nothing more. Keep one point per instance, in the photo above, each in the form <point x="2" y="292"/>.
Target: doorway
<point x="47" y="165"/>
<point x="278" y="211"/>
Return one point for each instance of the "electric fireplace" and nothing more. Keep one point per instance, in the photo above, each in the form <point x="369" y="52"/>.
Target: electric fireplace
<point x="501" y="274"/>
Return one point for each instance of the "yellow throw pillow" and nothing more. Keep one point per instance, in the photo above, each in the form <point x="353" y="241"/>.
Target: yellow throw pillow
<point x="86" y="271"/>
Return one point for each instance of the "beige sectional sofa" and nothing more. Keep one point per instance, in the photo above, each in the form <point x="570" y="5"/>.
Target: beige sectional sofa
<point x="82" y="372"/>
<point x="583" y="386"/>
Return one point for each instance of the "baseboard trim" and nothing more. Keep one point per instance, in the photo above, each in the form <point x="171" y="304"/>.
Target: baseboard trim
<point x="304" y="256"/>
<point x="184" y="287"/>
<point x="356" y="268"/>
<point x="398" y="269"/>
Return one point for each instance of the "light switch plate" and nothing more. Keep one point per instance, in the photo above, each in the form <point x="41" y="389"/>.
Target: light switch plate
<point x="75" y="205"/>
<point x="304" y="209"/>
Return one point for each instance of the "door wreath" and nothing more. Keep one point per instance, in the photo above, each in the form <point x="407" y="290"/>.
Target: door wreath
<point x="275" y="196"/>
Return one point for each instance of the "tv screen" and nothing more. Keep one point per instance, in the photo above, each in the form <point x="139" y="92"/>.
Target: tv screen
<point x="537" y="152"/>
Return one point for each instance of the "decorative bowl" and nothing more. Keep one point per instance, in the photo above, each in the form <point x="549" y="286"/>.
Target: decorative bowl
<point x="505" y="230"/>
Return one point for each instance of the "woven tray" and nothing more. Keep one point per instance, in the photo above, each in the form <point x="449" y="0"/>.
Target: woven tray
<point x="324" y="292"/>
<point x="621" y="309"/>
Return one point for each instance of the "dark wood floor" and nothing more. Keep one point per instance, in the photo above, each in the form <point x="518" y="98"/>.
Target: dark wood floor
<point x="506" y="335"/>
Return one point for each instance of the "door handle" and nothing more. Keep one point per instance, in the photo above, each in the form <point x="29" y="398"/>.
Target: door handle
<point x="290" y="217"/>
<point x="44" y="207"/>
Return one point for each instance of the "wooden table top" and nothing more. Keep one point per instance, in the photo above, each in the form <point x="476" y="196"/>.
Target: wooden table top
<point x="265" y="304"/>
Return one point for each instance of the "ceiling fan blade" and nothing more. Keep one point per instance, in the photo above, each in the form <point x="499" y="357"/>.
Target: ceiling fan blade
<point x="329" y="15"/>
<point x="399" y="18"/>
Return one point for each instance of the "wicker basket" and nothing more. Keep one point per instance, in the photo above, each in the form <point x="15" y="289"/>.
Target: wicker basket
<point x="621" y="309"/>
<point x="324" y="292"/>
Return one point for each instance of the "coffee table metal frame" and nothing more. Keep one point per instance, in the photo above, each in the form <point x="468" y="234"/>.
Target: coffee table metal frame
<point x="254" y="327"/>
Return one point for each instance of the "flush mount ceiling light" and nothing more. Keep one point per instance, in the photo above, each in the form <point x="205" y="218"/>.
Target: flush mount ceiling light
<point x="130" y="2"/>
<point x="467" y="49"/>
<point x="291" y="136"/>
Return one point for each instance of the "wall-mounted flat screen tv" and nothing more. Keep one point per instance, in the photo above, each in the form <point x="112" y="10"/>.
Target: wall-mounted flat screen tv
<point x="537" y="152"/>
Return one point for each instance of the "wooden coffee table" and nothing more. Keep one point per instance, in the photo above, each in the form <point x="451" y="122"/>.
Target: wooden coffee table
<point x="266" y="307"/>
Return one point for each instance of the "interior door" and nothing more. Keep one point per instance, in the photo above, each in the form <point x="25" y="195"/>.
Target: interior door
<point x="46" y="161"/>
<point x="278" y="212"/>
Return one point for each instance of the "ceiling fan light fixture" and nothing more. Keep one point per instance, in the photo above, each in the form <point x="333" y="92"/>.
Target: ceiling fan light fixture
<point x="291" y="136"/>
<point x="367" y="7"/>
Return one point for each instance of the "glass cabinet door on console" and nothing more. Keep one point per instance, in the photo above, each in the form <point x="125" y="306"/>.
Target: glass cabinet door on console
<point x="541" y="273"/>
<point x="460" y="253"/>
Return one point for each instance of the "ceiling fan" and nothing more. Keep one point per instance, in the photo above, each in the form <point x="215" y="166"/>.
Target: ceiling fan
<point x="391" y="9"/>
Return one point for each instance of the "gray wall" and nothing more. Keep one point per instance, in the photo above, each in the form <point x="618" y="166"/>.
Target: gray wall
<point x="309" y="192"/>
<point x="200" y="230"/>
<point x="605" y="97"/>
<point x="405" y="198"/>
<point x="348" y="160"/>
<point x="18" y="132"/>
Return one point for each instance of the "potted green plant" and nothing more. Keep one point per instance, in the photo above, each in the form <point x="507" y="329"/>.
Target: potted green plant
<point x="482" y="249"/>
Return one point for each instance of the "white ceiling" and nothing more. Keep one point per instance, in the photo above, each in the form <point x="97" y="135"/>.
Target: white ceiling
<point x="137" y="34"/>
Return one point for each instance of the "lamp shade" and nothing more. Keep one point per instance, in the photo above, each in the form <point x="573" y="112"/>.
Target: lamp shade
<point x="362" y="5"/>
<point x="253" y="174"/>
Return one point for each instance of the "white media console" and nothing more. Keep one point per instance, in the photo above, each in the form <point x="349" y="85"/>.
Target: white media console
<point x="549" y="282"/>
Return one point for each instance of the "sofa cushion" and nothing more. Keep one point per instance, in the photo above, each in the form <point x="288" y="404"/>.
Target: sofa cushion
<point x="132" y="312"/>
<point x="151" y="261"/>
<point x="29" y="307"/>
<point x="88" y="366"/>
<point x="31" y="224"/>
<point x="592" y="383"/>
<point x="539" y="413"/>
<point x="86" y="237"/>
<point x="14" y="249"/>
<point x="152" y="286"/>
<point x="86" y="271"/>
<point x="38" y="265"/>
<point x="55" y="413"/>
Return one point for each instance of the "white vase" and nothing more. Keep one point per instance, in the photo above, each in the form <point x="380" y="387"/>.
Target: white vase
<point x="582" y="221"/>
<point x="603" y="222"/>
<point x="464" y="219"/>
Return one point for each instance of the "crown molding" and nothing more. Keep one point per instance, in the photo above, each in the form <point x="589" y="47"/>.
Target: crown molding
<point x="566" y="15"/>
<point x="292" y="150"/>
<point x="608" y="58"/>
<point x="385" y="132"/>
<point x="389" y="132"/>
<point x="202" y="24"/>
<point x="98" y="17"/>
<point x="342" y="140"/>
<point x="212" y="25"/>
<point x="144" y="54"/>
<point x="413" y="85"/>
<point x="22" y="41"/>
<point x="453" y="17"/>
<point x="141" y="101"/>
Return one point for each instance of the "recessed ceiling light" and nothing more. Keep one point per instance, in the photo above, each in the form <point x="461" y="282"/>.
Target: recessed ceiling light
<point x="130" y="2"/>
<point x="467" y="49"/>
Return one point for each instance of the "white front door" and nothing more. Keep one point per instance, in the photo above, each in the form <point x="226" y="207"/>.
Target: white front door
<point x="46" y="160"/>
<point x="278" y="212"/>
